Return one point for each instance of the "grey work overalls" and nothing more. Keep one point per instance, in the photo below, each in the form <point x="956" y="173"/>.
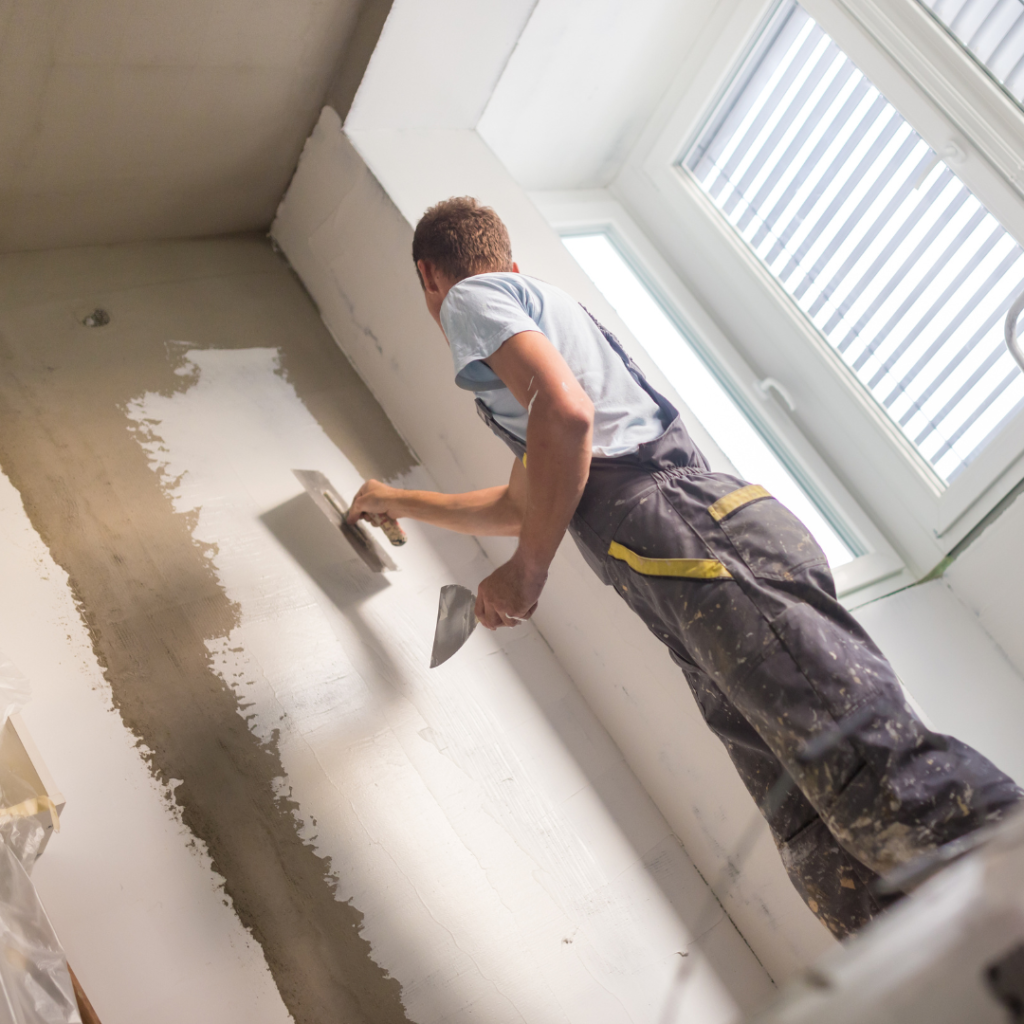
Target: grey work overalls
<point x="739" y="591"/>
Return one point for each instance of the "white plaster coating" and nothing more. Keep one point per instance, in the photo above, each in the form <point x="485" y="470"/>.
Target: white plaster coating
<point x="131" y="894"/>
<point x="350" y="245"/>
<point x="508" y="863"/>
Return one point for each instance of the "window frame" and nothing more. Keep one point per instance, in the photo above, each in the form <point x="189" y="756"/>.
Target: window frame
<point x="879" y="569"/>
<point x="922" y="517"/>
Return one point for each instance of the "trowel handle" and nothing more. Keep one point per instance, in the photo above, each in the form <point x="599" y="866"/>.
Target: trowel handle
<point x="392" y="530"/>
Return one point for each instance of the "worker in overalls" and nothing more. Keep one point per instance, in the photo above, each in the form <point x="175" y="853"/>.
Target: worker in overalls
<point x="850" y="780"/>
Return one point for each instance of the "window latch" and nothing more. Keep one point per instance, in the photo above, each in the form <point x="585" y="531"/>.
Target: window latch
<point x="1012" y="343"/>
<point x="770" y="384"/>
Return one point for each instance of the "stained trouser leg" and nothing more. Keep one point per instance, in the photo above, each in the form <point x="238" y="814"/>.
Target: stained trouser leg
<point x="834" y="884"/>
<point x="792" y="661"/>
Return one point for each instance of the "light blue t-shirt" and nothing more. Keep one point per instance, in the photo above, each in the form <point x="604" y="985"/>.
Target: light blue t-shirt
<point x="483" y="311"/>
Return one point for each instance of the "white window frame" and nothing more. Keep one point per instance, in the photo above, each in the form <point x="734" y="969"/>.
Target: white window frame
<point x="951" y="101"/>
<point x="879" y="569"/>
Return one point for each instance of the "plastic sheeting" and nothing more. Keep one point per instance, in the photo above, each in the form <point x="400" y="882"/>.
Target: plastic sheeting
<point x="35" y="986"/>
<point x="15" y="689"/>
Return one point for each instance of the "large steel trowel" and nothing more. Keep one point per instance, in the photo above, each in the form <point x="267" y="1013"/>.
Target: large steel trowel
<point x="334" y="506"/>
<point x="456" y="620"/>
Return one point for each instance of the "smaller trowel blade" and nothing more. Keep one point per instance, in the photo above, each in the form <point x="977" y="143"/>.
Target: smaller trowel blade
<point x="455" y="621"/>
<point x="334" y="506"/>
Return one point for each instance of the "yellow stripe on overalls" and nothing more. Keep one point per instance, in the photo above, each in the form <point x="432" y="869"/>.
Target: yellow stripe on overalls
<point x="736" y="499"/>
<point x="689" y="568"/>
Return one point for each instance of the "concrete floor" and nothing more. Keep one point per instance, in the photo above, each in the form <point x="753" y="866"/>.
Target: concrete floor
<point x="287" y="812"/>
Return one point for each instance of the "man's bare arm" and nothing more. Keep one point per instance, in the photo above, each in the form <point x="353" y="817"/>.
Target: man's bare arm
<point x="558" y="438"/>
<point x="492" y="512"/>
<point x="538" y="502"/>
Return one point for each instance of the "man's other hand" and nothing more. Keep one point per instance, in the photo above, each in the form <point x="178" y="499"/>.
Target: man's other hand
<point x="509" y="595"/>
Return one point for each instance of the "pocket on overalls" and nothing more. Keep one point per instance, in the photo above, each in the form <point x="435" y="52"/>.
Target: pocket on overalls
<point x="772" y="542"/>
<point x="653" y="541"/>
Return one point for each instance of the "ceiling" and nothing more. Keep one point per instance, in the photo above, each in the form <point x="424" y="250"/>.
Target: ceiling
<point x="139" y="119"/>
<point x="126" y="120"/>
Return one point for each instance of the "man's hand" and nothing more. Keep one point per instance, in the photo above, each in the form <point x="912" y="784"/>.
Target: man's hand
<point x="509" y="595"/>
<point x="375" y="497"/>
<point x="538" y="502"/>
<point x="491" y="512"/>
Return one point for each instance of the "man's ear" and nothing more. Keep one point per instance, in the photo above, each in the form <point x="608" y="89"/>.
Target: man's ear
<point x="515" y="268"/>
<point x="428" y="275"/>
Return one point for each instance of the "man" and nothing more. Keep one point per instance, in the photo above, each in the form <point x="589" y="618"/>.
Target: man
<point x="851" y="782"/>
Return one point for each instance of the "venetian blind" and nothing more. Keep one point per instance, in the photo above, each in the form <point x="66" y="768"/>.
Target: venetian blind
<point x="899" y="266"/>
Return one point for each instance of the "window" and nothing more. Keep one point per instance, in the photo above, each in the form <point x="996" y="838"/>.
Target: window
<point x="705" y="396"/>
<point x="898" y="265"/>
<point x="832" y="197"/>
<point x="993" y="32"/>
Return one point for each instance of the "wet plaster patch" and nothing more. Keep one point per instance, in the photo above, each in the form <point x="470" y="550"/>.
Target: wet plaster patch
<point x="148" y="591"/>
<point x="440" y="825"/>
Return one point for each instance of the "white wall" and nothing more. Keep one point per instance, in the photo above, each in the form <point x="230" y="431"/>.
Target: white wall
<point x="958" y="645"/>
<point x="581" y="83"/>
<point x="989" y="579"/>
<point x="962" y="680"/>
<point x="350" y="245"/>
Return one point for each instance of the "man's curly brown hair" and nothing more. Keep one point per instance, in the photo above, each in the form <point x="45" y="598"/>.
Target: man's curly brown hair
<point x="461" y="238"/>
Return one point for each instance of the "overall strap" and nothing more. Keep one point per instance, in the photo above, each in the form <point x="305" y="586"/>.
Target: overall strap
<point x="668" y="411"/>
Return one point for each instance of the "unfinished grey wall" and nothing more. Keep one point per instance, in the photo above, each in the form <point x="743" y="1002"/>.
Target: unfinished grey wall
<point x="125" y="120"/>
<point x="122" y="850"/>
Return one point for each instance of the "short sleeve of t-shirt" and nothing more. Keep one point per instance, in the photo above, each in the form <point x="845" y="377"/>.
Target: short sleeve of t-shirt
<point x="480" y="314"/>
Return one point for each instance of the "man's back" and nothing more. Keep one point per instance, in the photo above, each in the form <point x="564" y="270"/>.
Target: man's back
<point x="482" y="312"/>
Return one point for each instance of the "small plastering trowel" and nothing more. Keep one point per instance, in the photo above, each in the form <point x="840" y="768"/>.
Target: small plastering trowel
<point x="456" y="619"/>
<point x="334" y="506"/>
